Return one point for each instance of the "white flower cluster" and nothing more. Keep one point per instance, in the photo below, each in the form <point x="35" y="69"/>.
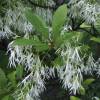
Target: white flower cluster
<point x="87" y="11"/>
<point x="36" y="81"/>
<point x="45" y="13"/>
<point x="14" y="22"/>
<point x="39" y="77"/>
<point x="45" y="2"/>
<point x="18" y="57"/>
<point x="70" y="73"/>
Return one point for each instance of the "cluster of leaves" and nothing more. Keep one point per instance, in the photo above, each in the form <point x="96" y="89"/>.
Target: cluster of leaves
<point x="9" y="78"/>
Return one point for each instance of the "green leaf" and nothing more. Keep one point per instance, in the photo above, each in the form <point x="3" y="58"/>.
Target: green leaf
<point x="59" y="40"/>
<point x="3" y="79"/>
<point x="19" y="72"/>
<point x="74" y="98"/>
<point x="38" y="45"/>
<point x="7" y="97"/>
<point x="23" y="42"/>
<point x="41" y="47"/>
<point x="58" y="61"/>
<point x="64" y="38"/>
<point x="12" y="78"/>
<point x="88" y="81"/>
<point x="95" y="39"/>
<point x="59" y="19"/>
<point x="37" y="23"/>
<point x="82" y="90"/>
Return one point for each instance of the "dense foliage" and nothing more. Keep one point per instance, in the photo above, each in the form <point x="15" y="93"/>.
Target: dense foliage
<point x="49" y="42"/>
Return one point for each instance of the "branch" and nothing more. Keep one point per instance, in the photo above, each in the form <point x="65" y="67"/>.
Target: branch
<point x="85" y="30"/>
<point x="81" y="22"/>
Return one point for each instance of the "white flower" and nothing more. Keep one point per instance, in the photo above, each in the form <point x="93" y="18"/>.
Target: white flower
<point x="29" y="61"/>
<point x="28" y="28"/>
<point x="84" y="9"/>
<point x="75" y="85"/>
<point x="28" y="97"/>
<point x="12" y="59"/>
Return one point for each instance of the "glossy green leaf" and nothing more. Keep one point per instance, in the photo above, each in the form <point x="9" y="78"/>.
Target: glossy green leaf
<point x="38" y="23"/>
<point x="59" y="19"/>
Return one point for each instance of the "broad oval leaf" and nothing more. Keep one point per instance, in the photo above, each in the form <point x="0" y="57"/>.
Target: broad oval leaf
<point x="23" y="42"/>
<point x="38" y="23"/>
<point x="38" y="45"/>
<point x="59" y="19"/>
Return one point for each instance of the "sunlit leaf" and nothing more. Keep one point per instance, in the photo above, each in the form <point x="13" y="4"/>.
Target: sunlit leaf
<point x="88" y="81"/>
<point x="59" y="19"/>
<point x="23" y="42"/>
<point x="82" y="90"/>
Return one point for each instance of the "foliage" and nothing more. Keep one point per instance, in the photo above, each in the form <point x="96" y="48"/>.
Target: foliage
<point x="59" y="44"/>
